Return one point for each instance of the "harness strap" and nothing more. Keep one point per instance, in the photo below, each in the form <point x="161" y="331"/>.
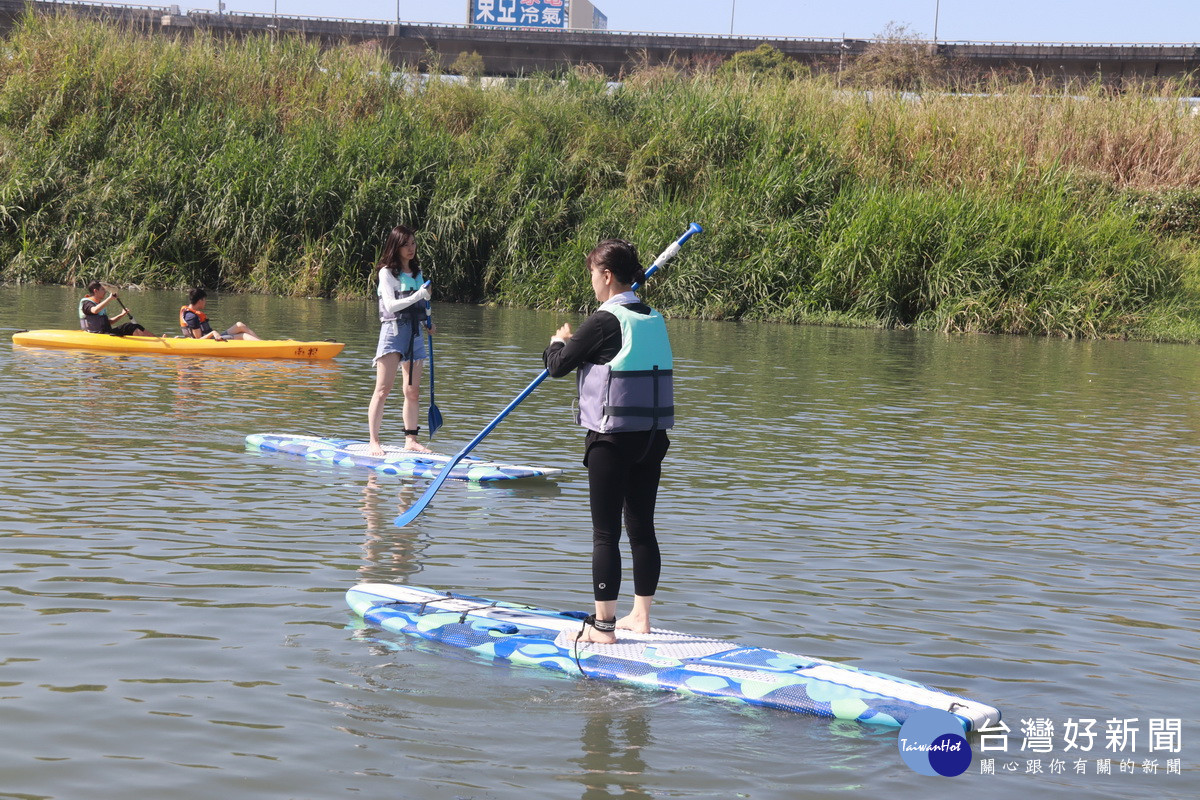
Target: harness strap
<point x="602" y="625"/>
<point x="413" y="332"/>
<point x="653" y="421"/>
<point x="605" y="625"/>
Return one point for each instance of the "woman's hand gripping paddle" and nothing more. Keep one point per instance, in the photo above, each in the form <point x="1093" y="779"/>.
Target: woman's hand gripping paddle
<point x="416" y="508"/>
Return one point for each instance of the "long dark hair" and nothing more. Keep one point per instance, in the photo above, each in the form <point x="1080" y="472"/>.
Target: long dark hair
<point x="618" y="257"/>
<point x="400" y="236"/>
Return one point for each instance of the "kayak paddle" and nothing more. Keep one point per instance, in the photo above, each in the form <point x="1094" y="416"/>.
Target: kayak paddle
<point x="126" y="310"/>
<point x="416" y="508"/>
<point x="134" y="321"/>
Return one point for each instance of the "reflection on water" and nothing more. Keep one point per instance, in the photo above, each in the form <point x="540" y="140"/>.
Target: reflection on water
<point x="612" y="760"/>
<point x="1011" y="519"/>
<point x="390" y="554"/>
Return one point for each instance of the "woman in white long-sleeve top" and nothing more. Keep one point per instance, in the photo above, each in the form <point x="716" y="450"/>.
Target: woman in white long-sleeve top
<point x="402" y="303"/>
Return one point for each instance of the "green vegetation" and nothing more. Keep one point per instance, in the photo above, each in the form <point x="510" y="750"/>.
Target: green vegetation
<point x="469" y="65"/>
<point x="765" y="61"/>
<point x="278" y="167"/>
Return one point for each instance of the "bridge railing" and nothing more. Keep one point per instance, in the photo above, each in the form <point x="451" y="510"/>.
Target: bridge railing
<point x="131" y="6"/>
<point x="173" y="8"/>
<point x="1144" y="45"/>
<point x="305" y="17"/>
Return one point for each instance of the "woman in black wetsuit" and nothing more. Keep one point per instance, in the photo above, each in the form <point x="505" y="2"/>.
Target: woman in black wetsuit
<point x="626" y="402"/>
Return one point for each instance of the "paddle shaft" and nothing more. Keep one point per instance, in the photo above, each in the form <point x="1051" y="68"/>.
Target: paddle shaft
<point x="130" y="313"/>
<point x="435" y="415"/>
<point x="131" y="319"/>
<point x="416" y="508"/>
<point x="125" y="309"/>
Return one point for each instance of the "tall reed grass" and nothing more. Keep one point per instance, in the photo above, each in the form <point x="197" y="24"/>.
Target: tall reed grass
<point x="278" y="166"/>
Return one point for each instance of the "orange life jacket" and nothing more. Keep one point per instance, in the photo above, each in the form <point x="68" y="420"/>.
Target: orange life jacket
<point x="199" y="315"/>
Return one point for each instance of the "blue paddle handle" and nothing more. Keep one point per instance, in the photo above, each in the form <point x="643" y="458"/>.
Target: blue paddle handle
<point x="416" y="508"/>
<point x="671" y="251"/>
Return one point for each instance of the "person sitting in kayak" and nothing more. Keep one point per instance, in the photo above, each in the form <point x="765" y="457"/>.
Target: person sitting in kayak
<point x="194" y="322"/>
<point x="93" y="314"/>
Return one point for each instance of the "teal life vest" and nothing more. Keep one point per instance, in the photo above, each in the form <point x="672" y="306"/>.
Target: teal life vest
<point x="414" y="314"/>
<point x="635" y="391"/>
<point x="96" y="322"/>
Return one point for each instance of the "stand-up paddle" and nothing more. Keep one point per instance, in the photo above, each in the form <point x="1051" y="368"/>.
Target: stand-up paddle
<point x="416" y="508"/>
<point x="435" y="416"/>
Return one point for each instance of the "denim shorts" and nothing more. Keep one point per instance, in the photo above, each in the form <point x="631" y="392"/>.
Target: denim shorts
<point x="400" y="338"/>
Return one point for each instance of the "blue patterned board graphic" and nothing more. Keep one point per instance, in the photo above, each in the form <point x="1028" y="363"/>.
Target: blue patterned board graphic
<point x="395" y="461"/>
<point x="657" y="660"/>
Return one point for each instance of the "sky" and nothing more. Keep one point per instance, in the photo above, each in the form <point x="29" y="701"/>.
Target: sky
<point x="1100" y="21"/>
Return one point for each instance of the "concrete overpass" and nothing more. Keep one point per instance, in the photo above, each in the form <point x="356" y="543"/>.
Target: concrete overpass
<point x="519" y="52"/>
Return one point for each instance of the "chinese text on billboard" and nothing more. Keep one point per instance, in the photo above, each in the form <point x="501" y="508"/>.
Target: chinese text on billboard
<point x="520" y="13"/>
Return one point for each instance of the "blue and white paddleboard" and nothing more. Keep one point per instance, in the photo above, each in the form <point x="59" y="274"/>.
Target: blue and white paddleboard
<point x="657" y="660"/>
<point x="395" y="461"/>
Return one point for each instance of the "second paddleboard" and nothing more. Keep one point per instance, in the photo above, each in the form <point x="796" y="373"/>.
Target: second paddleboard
<point x="394" y="461"/>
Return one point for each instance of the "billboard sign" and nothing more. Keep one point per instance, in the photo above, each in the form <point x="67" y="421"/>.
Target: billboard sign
<point x="551" y="14"/>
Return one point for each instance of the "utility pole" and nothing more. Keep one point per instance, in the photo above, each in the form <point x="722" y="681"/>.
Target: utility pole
<point x="732" y="10"/>
<point x="841" y="57"/>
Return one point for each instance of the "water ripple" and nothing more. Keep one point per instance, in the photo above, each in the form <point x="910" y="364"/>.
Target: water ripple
<point x="1007" y="518"/>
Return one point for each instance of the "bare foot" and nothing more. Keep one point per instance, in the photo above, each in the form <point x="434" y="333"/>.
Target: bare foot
<point x="590" y="634"/>
<point x="375" y="449"/>
<point x="635" y="623"/>
<point x="412" y="444"/>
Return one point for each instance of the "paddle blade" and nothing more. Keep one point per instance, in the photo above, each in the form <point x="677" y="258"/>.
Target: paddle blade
<point x="435" y="416"/>
<point x="423" y="500"/>
<point x="435" y="419"/>
<point x="415" y="510"/>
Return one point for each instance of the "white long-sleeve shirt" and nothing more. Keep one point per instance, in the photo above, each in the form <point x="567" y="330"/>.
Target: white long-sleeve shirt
<point x="389" y="286"/>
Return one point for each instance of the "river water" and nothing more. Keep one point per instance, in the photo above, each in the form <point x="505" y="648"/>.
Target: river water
<point x="1010" y="519"/>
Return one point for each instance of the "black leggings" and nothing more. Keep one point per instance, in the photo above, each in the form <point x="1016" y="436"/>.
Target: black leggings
<point x="125" y="329"/>
<point x="623" y="474"/>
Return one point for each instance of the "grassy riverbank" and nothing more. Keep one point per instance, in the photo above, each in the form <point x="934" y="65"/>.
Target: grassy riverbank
<point x="276" y="167"/>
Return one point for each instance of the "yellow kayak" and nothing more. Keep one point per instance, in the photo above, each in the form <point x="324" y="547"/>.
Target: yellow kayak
<point x="178" y="346"/>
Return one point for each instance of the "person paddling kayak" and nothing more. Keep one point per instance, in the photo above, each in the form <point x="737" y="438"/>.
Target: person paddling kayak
<point x="626" y="403"/>
<point x="94" y="318"/>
